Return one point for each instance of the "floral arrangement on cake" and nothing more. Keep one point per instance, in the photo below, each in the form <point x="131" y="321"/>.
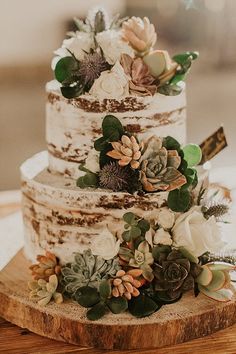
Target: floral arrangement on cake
<point x="122" y="163"/>
<point x="152" y="263"/>
<point x="115" y="58"/>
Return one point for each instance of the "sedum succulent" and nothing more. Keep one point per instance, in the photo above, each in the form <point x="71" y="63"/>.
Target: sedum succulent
<point x="159" y="167"/>
<point x="47" y="266"/>
<point x="87" y="269"/>
<point x="140" y="34"/>
<point x="174" y="273"/>
<point x="126" y="283"/>
<point x="214" y="281"/>
<point x="127" y="151"/>
<point x="44" y="292"/>
<point x="139" y="258"/>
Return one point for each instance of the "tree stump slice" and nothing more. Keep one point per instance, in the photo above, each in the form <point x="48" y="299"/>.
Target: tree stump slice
<point x="176" y="323"/>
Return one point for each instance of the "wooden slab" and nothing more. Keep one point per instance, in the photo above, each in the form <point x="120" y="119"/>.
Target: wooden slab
<point x="188" y="319"/>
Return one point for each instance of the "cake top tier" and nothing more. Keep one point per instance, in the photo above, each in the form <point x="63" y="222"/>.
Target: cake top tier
<point x="114" y="58"/>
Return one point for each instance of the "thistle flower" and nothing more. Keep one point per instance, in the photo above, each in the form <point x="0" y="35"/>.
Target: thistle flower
<point x="117" y="178"/>
<point x="91" y="67"/>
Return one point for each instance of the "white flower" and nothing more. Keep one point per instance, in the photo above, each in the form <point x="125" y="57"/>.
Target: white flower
<point x="158" y="237"/>
<point x="105" y="245"/>
<point x="166" y="218"/>
<point x="197" y="234"/>
<point x="162" y="237"/>
<point x="80" y="43"/>
<point x="92" y="161"/>
<point x="111" y="84"/>
<point x="113" y="45"/>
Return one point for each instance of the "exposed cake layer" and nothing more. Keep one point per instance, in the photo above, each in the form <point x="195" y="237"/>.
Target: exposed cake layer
<point x="64" y="219"/>
<point x="73" y="125"/>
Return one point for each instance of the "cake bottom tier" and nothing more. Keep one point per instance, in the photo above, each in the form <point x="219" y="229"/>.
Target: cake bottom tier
<point x="62" y="218"/>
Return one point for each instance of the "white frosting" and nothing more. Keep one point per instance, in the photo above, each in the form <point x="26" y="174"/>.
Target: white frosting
<point x="71" y="131"/>
<point x="63" y="219"/>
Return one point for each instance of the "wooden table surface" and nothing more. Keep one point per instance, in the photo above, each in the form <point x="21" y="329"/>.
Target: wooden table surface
<point x="15" y="340"/>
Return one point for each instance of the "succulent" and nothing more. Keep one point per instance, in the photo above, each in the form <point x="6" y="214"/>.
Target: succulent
<point x="113" y="176"/>
<point x="47" y="266"/>
<point x="159" y="167"/>
<point x="140" y="34"/>
<point x="174" y="273"/>
<point x="214" y="281"/>
<point x="127" y="151"/>
<point x="139" y="258"/>
<point x="141" y="82"/>
<point x="44" y="292"/>
<point x="91" y="68"/>
<point x="126" y="283"/>
<point x="217" y="210"/>
<point x="87" y="269"/>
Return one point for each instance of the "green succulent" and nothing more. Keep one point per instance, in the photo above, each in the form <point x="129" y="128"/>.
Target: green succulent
<point x="214" y="281"/>
<point x="44" y="291"/>
<point x="139" y="258"/>
<point x="87" y="269"/>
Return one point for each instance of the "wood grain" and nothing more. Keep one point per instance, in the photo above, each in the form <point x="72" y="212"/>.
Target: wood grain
<point x="176" y="323"/>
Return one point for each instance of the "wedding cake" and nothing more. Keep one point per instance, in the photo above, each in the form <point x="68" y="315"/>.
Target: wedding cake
<point x="113" y="209"/>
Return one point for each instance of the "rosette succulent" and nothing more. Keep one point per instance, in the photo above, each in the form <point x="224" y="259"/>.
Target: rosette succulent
<point x="174" y="273"/>
<point x="159" y="167"/>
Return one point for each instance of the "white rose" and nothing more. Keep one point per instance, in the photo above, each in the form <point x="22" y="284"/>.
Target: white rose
<point x="79" y="44"/>
<point x="105" y="245"/>
<point x="162" y="237"/>
<point x="197" y="234"/>
<point x="113" y="45"/>
<point x="111" y="84"/>
<point x="92" y="161"/>
<point x="166" y="218"/>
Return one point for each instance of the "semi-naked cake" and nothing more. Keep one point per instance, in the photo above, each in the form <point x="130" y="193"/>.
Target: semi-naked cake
<point x="114" y="209"/>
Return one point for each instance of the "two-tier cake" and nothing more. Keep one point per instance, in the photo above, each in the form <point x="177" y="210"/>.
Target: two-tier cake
<point x="111" y="211"/>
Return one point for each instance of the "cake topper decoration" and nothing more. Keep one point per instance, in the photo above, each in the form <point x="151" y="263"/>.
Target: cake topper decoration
<point x="99" y="44"/>
<point x="213" y="145"/>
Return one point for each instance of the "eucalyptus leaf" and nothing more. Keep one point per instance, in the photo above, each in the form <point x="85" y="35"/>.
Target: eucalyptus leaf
<point x="65" y="67"/>
<point x="72" y="91"/>
<point x="177" y="78"/>
<point x="171" y="143"/>
<point x="87" y="296"/>
<point x="117" y="304"/>
<point x="179" y="200"/>
<point x="135" y="232"/>
<point x="192" y="154"/>
<point x="129" y="218"/>
<point x="144" y="226"/>
<point x="142" y="306"/>
<point x="126" y="235"/>
<point x="112" y="128"/>
<point x="105" y="289"/>
<point x="97" y="312"/>
<point x="184" y="57"/>
<point x="100" y="144"/>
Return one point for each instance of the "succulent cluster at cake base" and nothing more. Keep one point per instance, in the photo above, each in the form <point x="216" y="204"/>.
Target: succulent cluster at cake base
<point x="114" y="58"/>
<point x="151" y="263"/>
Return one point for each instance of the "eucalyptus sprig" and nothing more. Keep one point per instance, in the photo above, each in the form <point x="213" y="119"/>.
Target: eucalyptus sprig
<point x="135" y="227"/>
<point x="90" y="179"/>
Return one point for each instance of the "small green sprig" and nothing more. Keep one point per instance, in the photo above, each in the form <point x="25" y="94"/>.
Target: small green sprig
<point x="135" y="227"/>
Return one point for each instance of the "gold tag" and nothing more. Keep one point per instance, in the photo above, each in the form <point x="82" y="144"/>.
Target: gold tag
<point x="213" y="145"/>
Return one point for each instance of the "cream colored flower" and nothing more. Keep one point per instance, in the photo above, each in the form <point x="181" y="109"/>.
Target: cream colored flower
<point x="197" y="234"/>
<point x="111" y="84"/>
<point x="105" y="245"/>
<point x="140" y="34"/>
<point x="113" y="45"/>
<point x="162" y="237"/>
<point x="165" y="218"/>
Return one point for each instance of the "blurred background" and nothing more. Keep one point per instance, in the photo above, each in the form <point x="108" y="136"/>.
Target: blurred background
<point x="31" y="30"/>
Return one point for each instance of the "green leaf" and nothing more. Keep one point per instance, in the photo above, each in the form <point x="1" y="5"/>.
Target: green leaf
<point x="192" y="154"/>
<point x="142" y="306"/>
<point x="158" y="250"/>
<point x="72" y="91"/>
<point x="191" y="176"/>
<point x="177" y="78"/>
<point x="130" y="218"/>
<point x="185" y="57"/>
<point x="87" y="296"/>
<point x="105" y="289"/>
<point x="179" y="200"/>
<point x="90" y="179"/>
<point x="97" y="312"/>
<point x="135" y="232"/>
<point x="170" y="90"/>
<point x="100" y="144"/>
<point x="112" y="128"/>
<point x="126" y="236"/>
<point x="65" y="67"/>
<point x="144" y="226"/>
<point x="171" y="144"/>
<point x="117" y="304"/>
